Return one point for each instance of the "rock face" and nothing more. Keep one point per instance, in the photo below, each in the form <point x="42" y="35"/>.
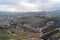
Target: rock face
<point x="44" y="32"/>
<point x="55" y="38"/>
<point x="48" y="30"/>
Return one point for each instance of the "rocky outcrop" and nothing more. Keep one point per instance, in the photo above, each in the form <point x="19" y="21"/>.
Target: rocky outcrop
<point x="48" y="30"/>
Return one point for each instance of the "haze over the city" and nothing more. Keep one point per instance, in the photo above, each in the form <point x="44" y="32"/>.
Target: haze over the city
<point x="29" y="5"/>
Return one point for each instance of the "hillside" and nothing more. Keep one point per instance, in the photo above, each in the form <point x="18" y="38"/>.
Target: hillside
<point x="23" y="26"/>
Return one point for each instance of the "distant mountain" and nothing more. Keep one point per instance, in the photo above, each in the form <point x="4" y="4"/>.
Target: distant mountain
<point x="51" y="13"/>
<point x="57" y="12"/>
<point x="7" y="13"/>
<point x="4" y="13"/>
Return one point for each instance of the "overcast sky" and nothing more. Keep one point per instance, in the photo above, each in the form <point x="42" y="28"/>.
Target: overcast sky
<point x="29" y="5"/>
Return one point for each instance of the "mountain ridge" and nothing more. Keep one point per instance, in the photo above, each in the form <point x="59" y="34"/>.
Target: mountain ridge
<point x="57" y="12"/>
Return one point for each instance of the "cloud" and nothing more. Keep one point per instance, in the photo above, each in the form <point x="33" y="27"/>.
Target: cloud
<point x="28" y="5"/>
<point x="9" y="8"/>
